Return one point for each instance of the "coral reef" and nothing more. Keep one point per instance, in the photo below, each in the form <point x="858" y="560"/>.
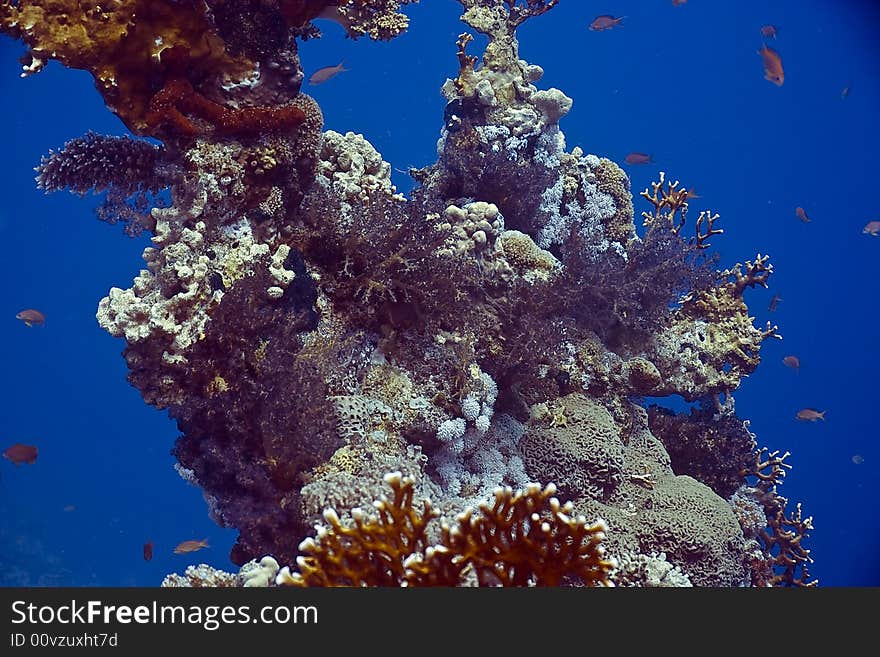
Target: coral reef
<point x="254" y="573"/>
<point x="310" y="329"/>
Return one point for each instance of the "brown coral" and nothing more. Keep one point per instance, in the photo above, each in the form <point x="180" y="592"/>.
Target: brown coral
<point x="522" y="538"/>
<point x="124" y="44"/>
<point x="577" y="446"/>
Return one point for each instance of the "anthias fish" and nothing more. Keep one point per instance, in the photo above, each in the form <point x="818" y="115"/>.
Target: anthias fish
<point x="638" y="158"/>
<point x="605" y="22"/>
<point x="793" y="362"/>
<point x="325" y="73"/>
<point x="872" y="228"/>
<point x="802" y="214"/>
<point x="772" y="65"/>
<point x="31" y="317"/>
<point x="148" y="550"/>
<point x="191" y="546"/>
<point x="678" y="3"/>
<point x="774" y="303"/>
<point x="769" y="31"/>
<point x="19" y="453"/>
<point x="810" y="415"/>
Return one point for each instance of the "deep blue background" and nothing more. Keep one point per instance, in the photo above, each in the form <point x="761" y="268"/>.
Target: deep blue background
<point x="684" y="84"/>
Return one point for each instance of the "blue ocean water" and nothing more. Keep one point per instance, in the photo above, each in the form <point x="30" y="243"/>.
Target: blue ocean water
<point x="682" y="83"/>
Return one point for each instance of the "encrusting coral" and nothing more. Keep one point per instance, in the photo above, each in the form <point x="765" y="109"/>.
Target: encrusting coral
<point x="310" y="329"/>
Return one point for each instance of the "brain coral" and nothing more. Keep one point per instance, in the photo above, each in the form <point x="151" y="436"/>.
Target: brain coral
<point x="575" y="444"/>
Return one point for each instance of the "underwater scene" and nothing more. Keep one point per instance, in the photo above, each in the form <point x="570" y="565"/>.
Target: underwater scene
<point x="439" y="293"/>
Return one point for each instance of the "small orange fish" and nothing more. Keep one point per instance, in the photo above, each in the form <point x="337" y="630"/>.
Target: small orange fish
<point x="19" y="454"/>
<point x="810" y="415"/>
<point x="605" y="22"/>
<point x="692" y="194"/>
<point x="678" y="3"/>
<point x="191" y="546"/>
<point x="793" y="362"/>
<point x="31" y="317"/>
<point x="324" y="74"/>
<point x="638" y="158"/>
<point x="872" y="228"/>
<point x="148" y="550"/>
<point x="772" y="65"/>
<point x="769" y="31"/>
<point x="802" y="214"/>
<point x="845" y="91"/>
<point x="774" y="303"/>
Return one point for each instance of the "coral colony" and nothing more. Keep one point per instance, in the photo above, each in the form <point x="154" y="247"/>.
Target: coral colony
<point x="441" y="389"/>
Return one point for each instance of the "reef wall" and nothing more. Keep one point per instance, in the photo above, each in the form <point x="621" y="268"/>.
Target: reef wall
<point x="311" y="330"/>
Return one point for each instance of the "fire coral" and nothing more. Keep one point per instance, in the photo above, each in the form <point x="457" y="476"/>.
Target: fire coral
<point x="523" y="538"/>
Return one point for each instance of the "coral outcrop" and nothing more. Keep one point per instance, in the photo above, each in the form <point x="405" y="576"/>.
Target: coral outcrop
<point x="310" y="329"/>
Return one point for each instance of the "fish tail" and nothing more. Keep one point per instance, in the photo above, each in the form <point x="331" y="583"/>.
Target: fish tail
<point x="822" y="415"/>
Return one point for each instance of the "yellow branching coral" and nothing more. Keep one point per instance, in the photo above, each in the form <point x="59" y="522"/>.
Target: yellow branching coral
<point x="523" y="538"/>
<point x="784" y="545"/>
<point x="756" y="273"/>
<point x="670" y="200"/>
<point x="372" y="552"/>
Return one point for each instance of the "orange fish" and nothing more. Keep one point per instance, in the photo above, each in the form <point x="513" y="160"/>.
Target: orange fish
<point x="774" y="303"/>
<point x="845" y="91"/>
<point x="769" y="31"/>
<point x="810" y="415"/>
<point x="802" y="214"/>
<point x="31" y="317"/>
<point x="638" y="158"/>
<point x="692" y="194"/>
<point x="772" y="65"/>
<point x="872" y="228"/>
<point x="678" y="3"/>
<point x="605" y="22"/>
<point x="793" y="362"/>
<point x="324" y="74"/>
<point x="148" y="550"/>
<point x="191" y="546"/>
<point x="19" y="453"/>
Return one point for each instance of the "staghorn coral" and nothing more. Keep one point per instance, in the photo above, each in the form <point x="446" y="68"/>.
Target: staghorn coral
<point x="522" y="538"/>
<point x="311" y="329"/>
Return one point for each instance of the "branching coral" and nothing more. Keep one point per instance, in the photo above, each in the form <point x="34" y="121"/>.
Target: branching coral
<point x="523" y="538"/>
<point x="131" y="171"/>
